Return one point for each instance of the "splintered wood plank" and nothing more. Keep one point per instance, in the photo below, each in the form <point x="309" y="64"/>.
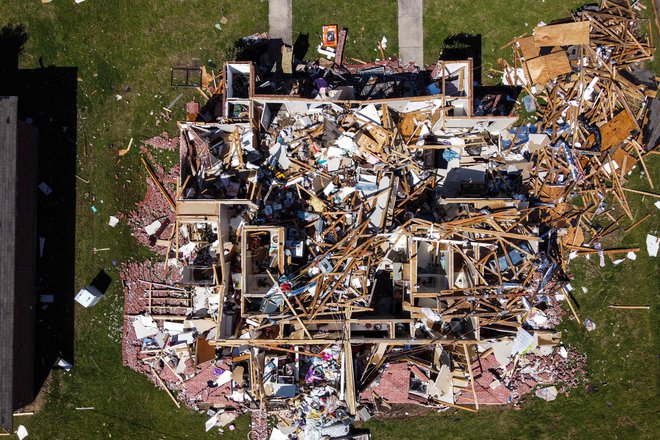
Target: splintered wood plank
<point x="564" y="34"/>
<point x="469" y="366"/>
<point x="407" y="126"/>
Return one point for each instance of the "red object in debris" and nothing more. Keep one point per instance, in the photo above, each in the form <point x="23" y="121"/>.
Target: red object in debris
<point x="487" y="392"/>
<point x="392" y="384"/>
<point x="339" y="59"/>
<point x="154" y="206"/>
<point x="330" y="35"/>
<point x="192" y="107"/>
<point x="163" y="142"/>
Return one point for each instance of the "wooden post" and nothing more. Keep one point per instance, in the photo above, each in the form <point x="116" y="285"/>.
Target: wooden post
<point x="162" y="384"/>
<point x="159" y="185"/>
<point x="626" y="307"/>
<point x="467" y="360"/>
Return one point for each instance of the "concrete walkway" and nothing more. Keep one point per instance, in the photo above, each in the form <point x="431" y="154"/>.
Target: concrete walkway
<point x="280" y="20"/>
<point x="411" y="31"/>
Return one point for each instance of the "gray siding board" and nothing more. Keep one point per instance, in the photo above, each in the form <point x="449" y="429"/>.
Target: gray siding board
<point x="25" y="264"/>
<point x="8" y="151"/>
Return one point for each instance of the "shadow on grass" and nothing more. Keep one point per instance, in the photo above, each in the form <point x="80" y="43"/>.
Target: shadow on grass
<point x="12" y="40"/>
<point x="462" y="46"/>
<point x="102" y="281"/>
<point x="47" y="101"/>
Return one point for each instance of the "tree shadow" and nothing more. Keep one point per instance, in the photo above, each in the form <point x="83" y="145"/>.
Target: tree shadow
<point x="12" y="41"/>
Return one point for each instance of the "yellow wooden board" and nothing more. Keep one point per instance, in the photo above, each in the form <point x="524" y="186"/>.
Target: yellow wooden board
<point x="544" y="68"/>
<point x="529" y="51"/>
<point x="624" y="160"/>
<point x="564" y="34"/>
<point x="616" y="130"/>
<point x="527" y="48"/>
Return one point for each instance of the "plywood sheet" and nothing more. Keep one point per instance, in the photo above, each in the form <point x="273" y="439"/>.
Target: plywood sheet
<point x="564" y="34"/>
<point x="544" y="68"/>
<point x="407" y="123"/>
<point x="529" y="51"/>
<point x="624" y="160"/>
<point x="616" y="130"/>
<point x="205" y="351"/>
<point x="203" y="208"/>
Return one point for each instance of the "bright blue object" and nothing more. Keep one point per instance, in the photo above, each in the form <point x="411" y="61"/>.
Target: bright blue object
<point x="433" y="89"/>
<point x="450" y="154"/>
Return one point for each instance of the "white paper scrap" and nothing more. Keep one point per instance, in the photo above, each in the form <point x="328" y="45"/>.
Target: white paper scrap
<point x="548" y="394"/>
<point x="113" y="221"/>
<point x="21" y="432"/>
<point x="223" y="378"/>
<point x="210" y="423"/>
<point x="563" y="352"/>
<point x="652" y="245"/>
<point x="153" y="228"/>
<point x="523" y="343"/>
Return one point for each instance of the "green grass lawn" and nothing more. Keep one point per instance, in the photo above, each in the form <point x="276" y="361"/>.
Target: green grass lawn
<point x="124" y="44"/>
<point x="367" y="23"/>
<point x="497" y="21"/>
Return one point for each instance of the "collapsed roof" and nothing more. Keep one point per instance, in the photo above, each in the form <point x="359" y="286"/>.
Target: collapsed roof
<point x="326" y="252"/>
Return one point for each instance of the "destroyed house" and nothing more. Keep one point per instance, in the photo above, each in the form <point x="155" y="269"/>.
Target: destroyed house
<point x="276" y="70"/>
<point x="268" y="210"/>
<point x="329" y="256"/>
